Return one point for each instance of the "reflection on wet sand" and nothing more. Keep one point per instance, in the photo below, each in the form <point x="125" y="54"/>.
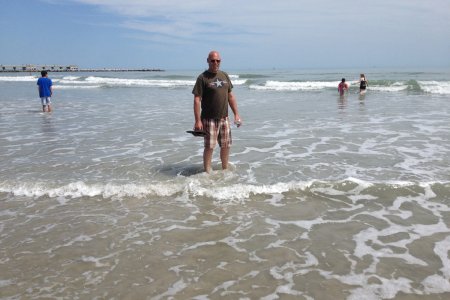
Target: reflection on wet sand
<point x="342" y="102"/>
<point x="362" y="96"/>
<point x="47" y="125"/>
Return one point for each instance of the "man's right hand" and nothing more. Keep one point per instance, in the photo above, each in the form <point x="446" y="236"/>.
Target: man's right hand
<point x="198" y="125"/>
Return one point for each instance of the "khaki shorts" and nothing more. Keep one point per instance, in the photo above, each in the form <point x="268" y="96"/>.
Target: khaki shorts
<point x="217" y="130"/>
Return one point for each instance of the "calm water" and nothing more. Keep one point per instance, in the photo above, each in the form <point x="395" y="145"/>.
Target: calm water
<point x="326" y="197"/>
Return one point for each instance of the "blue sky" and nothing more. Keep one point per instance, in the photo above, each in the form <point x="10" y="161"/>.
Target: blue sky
<point x="251" y="34"/>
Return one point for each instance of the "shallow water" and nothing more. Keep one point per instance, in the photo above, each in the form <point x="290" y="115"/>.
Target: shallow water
<point x="326" y="197"/>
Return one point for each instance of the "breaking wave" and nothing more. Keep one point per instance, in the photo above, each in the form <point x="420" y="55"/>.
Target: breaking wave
<point x="433" y="87"/>
<point x="254" y="82"/>
<point x="200" y="186"/>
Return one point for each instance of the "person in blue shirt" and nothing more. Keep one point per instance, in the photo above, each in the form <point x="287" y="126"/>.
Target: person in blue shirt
<point x="45" y="91"/>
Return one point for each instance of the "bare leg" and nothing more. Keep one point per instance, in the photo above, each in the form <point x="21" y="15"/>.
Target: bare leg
<point x="43" y="108"/>
<point x="224" y="153"/>
<point x="207" y="157"/>
<point x="49" y="108"/>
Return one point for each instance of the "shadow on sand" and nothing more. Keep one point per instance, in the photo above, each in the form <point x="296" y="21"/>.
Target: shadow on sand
<point x="189" y="170"/>
<point x="181" y="170"/>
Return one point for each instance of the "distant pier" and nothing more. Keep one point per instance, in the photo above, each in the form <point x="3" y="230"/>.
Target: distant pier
<point x="69" y="68"/>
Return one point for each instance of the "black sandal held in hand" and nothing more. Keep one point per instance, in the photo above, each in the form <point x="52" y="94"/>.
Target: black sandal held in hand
<point x="197" y="132"/>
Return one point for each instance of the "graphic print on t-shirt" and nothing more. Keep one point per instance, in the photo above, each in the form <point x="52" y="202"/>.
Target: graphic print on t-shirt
<point x="217" y="83"/>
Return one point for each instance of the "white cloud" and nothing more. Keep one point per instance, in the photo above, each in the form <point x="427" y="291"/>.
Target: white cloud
<point x="320" y="29"/>
<point x="173" y="16"/>
<point x="151" y="8"/>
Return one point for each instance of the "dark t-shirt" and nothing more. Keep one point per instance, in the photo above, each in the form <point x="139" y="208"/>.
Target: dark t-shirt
<point x="214" y="89"/>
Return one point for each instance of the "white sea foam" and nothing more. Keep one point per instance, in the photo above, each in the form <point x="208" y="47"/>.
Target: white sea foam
<point x="435" y="87"/>
<point x="295" y="86"/>
<point x="173" y="290"/>
<point x="239" y="81"/>
<point x="4" y="283"/>
<point x="68" y="87"/>
<point x="440" y="283"/>
<point x="139" y="82"/>
<point x="197" y="185"/>
<point x="18" y="78"/>
<point x="71" y="78"/>
<point x="66" y="81"/>
<point x="97" y="261"/>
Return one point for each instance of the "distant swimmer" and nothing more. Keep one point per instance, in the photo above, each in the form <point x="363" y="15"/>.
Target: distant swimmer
<point x="342" y="87"/>
<point x="362" y="83"/>
<point x="45" y="87"/>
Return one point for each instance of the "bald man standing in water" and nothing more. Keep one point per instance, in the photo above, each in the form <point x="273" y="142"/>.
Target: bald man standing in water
<point x="212" y="96"/>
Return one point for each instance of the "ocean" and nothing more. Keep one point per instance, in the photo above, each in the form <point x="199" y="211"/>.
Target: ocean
<point x="326" y="197"/>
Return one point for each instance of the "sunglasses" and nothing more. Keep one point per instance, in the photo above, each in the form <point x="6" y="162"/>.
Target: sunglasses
<point x="214" y="60"/>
